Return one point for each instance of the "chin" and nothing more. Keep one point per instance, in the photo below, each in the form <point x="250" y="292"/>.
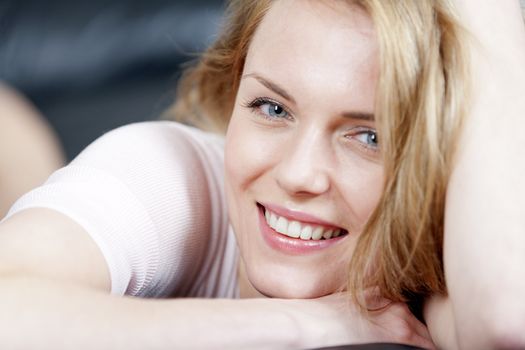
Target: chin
<point x="291" y="292"/>
<point x="291" y="288"/>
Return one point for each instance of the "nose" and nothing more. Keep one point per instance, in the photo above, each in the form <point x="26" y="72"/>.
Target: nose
<point x="304" y="167"/>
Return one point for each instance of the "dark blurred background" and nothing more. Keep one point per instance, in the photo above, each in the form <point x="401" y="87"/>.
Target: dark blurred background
<point x="91" y="66"/>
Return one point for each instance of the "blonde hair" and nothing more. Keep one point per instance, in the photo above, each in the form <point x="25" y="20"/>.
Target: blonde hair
<point x="207" y="90"/>
<point x="419" y="110"/>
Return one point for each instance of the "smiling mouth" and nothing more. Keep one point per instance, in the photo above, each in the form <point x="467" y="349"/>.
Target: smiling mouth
<point x="298" y="229"/>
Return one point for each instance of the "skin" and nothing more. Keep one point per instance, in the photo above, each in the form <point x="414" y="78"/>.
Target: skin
<point x="484" y="248"/>
<point x="29" y="149"/>
<point x="316" y="156"/>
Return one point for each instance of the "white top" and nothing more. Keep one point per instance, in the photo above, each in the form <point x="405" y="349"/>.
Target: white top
<point x="151" y="196"/>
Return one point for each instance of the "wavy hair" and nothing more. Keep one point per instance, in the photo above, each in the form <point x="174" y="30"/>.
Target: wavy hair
<point x="420" y="106"/>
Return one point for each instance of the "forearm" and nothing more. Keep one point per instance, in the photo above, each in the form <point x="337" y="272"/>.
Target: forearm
<point x="38" y="314"/>
<point x="42" y="314"/>
<point x="485" y="226"/>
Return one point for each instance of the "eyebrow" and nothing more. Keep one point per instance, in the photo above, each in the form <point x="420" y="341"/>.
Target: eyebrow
<point x="282" y="92"/>
<point x="271" y="85"/>
<point x="360" y="116"/>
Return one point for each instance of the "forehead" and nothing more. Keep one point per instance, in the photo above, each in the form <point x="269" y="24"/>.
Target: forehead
<point x="328" y="44"/>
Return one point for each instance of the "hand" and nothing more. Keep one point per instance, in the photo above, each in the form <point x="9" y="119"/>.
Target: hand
<point x="336" y="320"/>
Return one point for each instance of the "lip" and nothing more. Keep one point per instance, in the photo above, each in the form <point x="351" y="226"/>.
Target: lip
<point x="293" y="246"/>
<point x="299" y="216"/>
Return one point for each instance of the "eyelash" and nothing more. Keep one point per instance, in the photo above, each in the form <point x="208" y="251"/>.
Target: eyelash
<point x="255" y="104"/>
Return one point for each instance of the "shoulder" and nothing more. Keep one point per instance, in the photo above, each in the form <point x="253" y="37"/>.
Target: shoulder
<point x="163" y="164"/>
<point x="165" y="128"/>
<point x="155" y="151"/>
<point x="176" y="173"/>
<point x="150" y="194"/>
<point x="159" y="137"/>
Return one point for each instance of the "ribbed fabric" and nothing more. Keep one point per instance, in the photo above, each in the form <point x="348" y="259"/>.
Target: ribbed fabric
<point x="151" y="196"/>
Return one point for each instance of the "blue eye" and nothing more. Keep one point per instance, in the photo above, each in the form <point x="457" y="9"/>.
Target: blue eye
<point x="368" y="138"/>
<point x="274" y="110"/>
<point x="268" y="108"/>
<point x="371" y="138"/>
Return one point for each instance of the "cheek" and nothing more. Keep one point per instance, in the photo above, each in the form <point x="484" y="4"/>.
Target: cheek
<point x="236" y="153"/>
<point x="362" y="190"/>
<point x="247" y="162"/>
<point x="248" y="153"/>
<point x="371" y="200"/>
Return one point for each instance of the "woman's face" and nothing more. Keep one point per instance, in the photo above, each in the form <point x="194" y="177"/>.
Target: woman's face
<point x="303" y="168"/>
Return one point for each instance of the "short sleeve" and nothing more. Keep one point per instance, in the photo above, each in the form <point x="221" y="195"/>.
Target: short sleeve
<point x="151" y="197"/>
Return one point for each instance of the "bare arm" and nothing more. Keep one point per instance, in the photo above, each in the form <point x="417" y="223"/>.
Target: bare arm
<point x="54" y="293"/>
<point x="41" y="314"/>
<point x="29" y="151"/>
<point x="484" y="249"/>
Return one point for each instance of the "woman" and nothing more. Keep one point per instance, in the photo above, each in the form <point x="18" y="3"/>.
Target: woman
<point x="344" y="117"/>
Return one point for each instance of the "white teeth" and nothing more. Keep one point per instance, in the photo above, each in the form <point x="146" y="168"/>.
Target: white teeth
<point x="273" y="220"/>
<point x="327" y="234"/>
<point x="306" y="232"/>
<point x="282" y="225"/>
<point x="296" y="229"/>
<point x="317" y="234"/>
